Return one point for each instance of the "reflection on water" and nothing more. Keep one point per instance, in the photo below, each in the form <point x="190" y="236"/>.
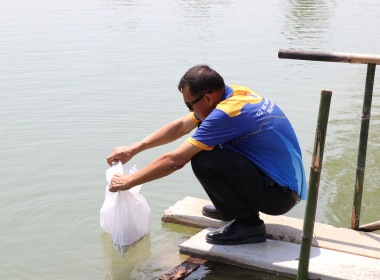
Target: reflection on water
<point x="144" y="260"/>
<point x="307" y="22"/>
<point x="126" y="262"/>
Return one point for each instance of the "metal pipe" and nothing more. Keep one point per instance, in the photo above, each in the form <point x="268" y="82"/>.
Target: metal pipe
<point x="362" y="151"/>
<point x="315" y="174"/>
<point x="329" y="56"/>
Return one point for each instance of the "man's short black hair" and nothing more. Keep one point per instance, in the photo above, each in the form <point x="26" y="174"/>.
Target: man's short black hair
<point x="201" y="79"/>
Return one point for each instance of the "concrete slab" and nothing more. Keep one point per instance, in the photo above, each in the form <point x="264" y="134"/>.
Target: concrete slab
<point x="282" y="257"/>
<point x="188" y="212"/>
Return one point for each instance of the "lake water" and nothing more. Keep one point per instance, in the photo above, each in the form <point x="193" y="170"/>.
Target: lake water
<point x="81" y="77"/>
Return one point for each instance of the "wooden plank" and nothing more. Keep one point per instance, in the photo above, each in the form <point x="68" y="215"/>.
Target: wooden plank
<point x="329" y="56"/>
<point x="188" y="211"/>
<point x="282" y="258"/>
<point x="184" y="269"/>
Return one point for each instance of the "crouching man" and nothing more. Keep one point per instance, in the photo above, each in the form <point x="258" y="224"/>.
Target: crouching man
<point x="244" y="153"/>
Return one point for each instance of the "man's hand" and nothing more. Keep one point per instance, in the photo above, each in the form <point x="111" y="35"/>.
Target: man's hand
<point x="122" y="153"/>
<point x="119" y="182"/>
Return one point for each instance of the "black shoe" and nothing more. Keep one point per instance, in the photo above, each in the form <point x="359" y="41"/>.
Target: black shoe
<point x="237" y="233"/>
<point x="211" y="212"/>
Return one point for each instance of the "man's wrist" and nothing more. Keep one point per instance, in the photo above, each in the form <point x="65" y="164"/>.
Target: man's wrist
<point x="128" y="184"/>
<point x="137" y="147"/>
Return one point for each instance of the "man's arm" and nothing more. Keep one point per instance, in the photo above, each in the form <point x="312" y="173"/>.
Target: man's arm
<point x="161" y="167"/>
<point x="164" y="135"/>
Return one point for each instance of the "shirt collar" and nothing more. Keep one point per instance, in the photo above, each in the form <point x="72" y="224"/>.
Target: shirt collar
<point x="227" y="93"/>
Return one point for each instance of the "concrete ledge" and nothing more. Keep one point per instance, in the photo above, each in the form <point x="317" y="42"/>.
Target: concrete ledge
<point x="188" y="212"/>
<point x="282" y="257"/>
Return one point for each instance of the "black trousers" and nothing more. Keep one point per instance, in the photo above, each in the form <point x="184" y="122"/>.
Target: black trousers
<point x="237" y="188"/>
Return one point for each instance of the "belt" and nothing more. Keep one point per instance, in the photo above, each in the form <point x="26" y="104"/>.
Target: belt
<point x="293" y="193"/>
<point x="295" y="196"/>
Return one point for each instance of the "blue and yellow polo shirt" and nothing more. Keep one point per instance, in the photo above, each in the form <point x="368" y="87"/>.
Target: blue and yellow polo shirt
<point x="254" y="126"/>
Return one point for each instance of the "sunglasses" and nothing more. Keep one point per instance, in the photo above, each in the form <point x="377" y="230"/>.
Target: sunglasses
<point x="190" y="105"/>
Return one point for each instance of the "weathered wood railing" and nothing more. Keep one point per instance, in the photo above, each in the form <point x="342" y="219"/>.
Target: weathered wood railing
<point x="311" y="204"/>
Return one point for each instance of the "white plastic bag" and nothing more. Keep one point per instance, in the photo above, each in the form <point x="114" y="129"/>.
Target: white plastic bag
<point x="124" y="214"/>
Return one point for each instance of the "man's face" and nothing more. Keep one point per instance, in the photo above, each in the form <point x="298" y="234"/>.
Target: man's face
<point x="201" y="108"/>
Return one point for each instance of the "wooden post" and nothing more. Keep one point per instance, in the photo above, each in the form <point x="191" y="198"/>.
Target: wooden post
<point x="362" y="151"/>
<point x="315" y="173"/>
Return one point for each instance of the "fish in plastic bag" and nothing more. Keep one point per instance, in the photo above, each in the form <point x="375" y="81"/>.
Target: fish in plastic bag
<point x="124" y="214"/>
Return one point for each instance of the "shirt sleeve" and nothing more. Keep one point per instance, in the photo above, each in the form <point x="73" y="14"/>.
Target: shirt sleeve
<point x="194" y="118"/>
<point x="217" y="128"/>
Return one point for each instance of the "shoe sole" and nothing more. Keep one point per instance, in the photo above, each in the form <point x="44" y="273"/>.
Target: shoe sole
<point x="251" y="240"/>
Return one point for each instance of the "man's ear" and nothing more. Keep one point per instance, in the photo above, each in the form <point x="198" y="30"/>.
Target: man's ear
<point x="209" y="98"/>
